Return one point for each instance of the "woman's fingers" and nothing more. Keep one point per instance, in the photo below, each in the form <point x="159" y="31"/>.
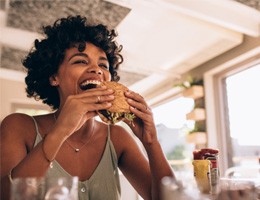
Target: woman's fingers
<point x="97" y="99"/>
<point x="137" y="107"/>
<point x="95" y="95"/>
<point x="99" y="106"/>
<point x="137" y="101"/>
<point x="135" y="96"/>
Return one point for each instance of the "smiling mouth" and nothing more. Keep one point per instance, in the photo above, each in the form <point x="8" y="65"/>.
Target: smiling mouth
<point x="89" y="84"/>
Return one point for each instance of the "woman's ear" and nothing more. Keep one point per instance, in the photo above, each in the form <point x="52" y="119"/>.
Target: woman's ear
<point x="53" y="80"/>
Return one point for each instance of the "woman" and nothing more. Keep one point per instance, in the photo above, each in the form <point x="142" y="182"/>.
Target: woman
<point x="69" y="141"/>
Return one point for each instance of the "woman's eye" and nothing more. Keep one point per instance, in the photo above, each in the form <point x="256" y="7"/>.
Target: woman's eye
<point x="104" y="66"/>
<point x="80" y="62"/>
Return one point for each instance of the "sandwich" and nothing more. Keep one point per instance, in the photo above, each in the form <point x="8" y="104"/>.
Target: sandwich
<point x="120" y="108"/>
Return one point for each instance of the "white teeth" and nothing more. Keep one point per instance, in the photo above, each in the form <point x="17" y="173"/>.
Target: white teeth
<point x="90" y="82"/>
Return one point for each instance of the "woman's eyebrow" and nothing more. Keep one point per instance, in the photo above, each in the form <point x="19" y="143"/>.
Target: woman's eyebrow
<point x="78" y="54"/>
<point x="103" y="58"/>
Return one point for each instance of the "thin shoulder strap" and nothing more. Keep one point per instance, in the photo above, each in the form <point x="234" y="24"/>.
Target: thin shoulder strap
<point x="38" y="137"/>
<point x="36" y="125"/>
<point x="112" y="149"/>
<point x="108" y="132"/>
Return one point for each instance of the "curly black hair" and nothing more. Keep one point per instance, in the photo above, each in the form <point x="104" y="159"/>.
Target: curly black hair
<point x="47" y="54"/>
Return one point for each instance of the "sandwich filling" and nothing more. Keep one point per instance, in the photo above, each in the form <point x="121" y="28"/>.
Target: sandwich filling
<point x="114" y="117"/>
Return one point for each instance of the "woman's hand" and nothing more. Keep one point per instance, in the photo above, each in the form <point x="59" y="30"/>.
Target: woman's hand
<point x="143" y="125"/>
<point x="78" y="108"/>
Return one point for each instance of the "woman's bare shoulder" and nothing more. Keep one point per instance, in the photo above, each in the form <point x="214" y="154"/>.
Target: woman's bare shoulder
<point x="119" y="132"/>
<point x="16" y="123"/>
<point x="16" y="118"/>
<point x="122" y="137"/>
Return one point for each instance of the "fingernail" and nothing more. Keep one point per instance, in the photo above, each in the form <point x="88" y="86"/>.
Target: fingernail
<point x="110" y="90"/>
<point x="103" y="86"/>
<point x="111" y="96"/>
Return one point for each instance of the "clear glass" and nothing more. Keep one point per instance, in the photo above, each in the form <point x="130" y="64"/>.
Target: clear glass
<point x="183" y="189"/>
<point x="61" y="188"/>
<point x="27" y="188"/>
<point x="243" y="97"/>
<point x="239" y="189"/>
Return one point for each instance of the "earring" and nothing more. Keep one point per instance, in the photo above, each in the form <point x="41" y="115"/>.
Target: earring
<point x="54" y="83"/>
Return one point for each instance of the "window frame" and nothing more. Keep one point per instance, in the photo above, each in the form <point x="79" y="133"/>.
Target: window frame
<point x="216" y="103"/>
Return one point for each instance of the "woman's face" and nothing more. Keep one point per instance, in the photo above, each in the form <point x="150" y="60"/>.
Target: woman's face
<point x="80" y="68"/>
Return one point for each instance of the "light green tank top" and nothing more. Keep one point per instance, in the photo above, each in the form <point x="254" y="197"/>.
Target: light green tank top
<point x="104" y="182"/>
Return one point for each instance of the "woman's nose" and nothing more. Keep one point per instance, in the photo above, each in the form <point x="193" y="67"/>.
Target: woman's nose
<point x="95" y="69"/>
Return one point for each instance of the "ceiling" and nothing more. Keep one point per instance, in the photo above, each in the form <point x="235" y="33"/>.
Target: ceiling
<point x="174" y="36"/>
<point x="162" y="39"/>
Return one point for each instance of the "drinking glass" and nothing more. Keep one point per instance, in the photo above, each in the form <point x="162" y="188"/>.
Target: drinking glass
<point x="27" y="188"/>
<point x="234" y="188"/>
<point x="61" y="188"/>
<point x="184" y="188"/>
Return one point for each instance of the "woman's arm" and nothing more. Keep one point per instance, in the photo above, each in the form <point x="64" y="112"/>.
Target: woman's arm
<point x="17" y="128"/>
<point x="144" y="128"/>
<point x="17" y="132"/>
<point x="144" y="170"/>
<point x="159" y="167"/>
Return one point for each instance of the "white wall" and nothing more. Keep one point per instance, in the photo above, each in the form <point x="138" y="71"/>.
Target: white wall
<point x="12" y="89"/>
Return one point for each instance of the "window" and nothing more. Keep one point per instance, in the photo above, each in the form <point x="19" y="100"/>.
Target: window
<point x="243" y="97"/>
<point x="232" y="105"/>
<point x="31" y="111"/>
<point x="29" y="108"/>
<point x="172" y="127"/>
